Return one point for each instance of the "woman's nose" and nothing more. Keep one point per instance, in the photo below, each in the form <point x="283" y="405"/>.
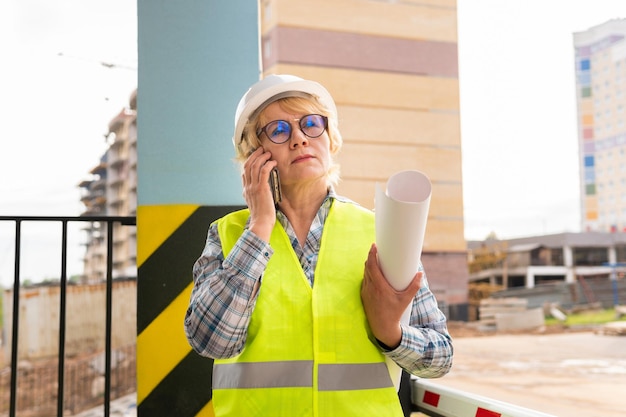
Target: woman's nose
<point x="298" y="138"/>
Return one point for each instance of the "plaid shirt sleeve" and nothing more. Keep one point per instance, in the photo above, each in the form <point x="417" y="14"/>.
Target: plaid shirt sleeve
<point x="426" y="346"/>
<point x="224" y="294"/>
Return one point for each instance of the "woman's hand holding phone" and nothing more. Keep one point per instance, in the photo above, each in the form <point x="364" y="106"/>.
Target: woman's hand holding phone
<point x="257" y="192"/>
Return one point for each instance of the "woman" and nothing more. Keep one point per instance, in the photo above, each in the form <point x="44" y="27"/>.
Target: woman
<point x="288" y="297"/>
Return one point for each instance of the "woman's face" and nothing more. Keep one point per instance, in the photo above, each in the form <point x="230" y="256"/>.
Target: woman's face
<point x="301" y="159"/>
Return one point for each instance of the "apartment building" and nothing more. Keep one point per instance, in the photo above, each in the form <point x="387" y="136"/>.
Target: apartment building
<point x="392" y="68"/>
<point x="601" y="99"/>
<point x="111" y="190"/>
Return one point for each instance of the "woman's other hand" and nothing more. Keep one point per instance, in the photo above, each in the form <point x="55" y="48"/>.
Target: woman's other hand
<point x="384" y="305"/>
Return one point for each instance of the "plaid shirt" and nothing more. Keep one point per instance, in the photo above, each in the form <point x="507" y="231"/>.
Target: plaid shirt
<point x="225" y="291"/>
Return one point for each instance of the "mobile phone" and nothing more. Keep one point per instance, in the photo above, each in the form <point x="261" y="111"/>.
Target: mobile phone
<point x="275" y="186"/>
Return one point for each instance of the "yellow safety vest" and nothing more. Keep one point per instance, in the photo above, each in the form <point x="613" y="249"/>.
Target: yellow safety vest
<point x="309" y="351"/>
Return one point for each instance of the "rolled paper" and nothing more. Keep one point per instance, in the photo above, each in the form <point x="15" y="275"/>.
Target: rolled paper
<point x="401" y="213"/>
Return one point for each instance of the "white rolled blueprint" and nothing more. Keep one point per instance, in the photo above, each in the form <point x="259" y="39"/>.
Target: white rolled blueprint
<point x="401" y="212"/>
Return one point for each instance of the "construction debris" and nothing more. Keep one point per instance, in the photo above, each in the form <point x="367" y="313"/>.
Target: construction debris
<point x="614" y="328"/>
<point x="557" y="313"/>
<point x="477" y="292"/>
<point x="509" y="314"/>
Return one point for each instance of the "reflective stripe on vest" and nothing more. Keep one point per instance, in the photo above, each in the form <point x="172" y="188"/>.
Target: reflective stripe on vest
<point x="331" y="377"/>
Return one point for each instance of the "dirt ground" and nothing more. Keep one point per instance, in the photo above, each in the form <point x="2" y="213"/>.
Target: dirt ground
<point x="555" y="370"/>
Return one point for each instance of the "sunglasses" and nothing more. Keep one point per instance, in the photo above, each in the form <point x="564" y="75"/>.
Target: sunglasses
<point x="279" y="131"/>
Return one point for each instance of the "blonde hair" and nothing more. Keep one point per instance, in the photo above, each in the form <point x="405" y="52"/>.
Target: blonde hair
<point x="298" y="105"/>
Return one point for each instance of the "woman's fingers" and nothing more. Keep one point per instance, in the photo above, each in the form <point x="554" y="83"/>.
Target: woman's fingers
<point x="258" y="166"/>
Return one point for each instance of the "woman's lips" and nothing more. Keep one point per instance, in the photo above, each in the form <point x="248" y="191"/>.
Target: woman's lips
<point x="302" y="158"/>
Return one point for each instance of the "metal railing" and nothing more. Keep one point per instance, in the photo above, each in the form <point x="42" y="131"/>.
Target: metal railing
<point x="109" y="220"/>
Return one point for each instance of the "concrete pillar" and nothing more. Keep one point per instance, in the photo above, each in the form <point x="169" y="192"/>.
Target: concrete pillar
<point x="530" y="277"/>
<point x="612" y="255"/>
<point x="196" y="59"/>
<point x="568" y="259"/>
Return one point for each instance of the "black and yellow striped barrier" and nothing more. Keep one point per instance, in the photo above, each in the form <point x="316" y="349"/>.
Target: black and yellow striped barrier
<point x="171" y="375"/>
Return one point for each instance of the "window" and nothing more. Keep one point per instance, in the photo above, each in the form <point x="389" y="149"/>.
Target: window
<point x="556" y="257"/>
<point x="590" y="256"/>
<point x="584" y="78"/>
<point x="585" y="65"/>
<point x="620" y="252"/>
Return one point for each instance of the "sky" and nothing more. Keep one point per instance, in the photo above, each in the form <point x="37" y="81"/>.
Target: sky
<point x="518" y="113"/>
<point x="70" y="66"/>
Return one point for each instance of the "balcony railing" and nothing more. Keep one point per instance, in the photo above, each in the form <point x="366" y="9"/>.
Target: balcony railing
<point x="64" y="221"/>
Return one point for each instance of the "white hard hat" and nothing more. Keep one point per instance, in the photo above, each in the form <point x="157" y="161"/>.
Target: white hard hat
<point x="272" y="88"/>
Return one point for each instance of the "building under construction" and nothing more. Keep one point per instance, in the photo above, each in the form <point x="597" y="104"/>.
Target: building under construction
<point x="568" y="269"/>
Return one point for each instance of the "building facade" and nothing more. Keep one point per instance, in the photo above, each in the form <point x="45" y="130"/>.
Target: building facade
<point x="111" y="190"/>
<point x="568" y="269"/>
<point x="532" y="261"/>
<point x="601" y="100"/>
<point x="392" y="68"/>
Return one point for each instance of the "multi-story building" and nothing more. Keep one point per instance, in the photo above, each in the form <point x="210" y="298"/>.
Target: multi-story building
<point x="392" y="68"/>
<point x="111" y="190"/>
<point x="601" y="99"/>
<point x="93" y="196"/>
<point x="568" y="269"/>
